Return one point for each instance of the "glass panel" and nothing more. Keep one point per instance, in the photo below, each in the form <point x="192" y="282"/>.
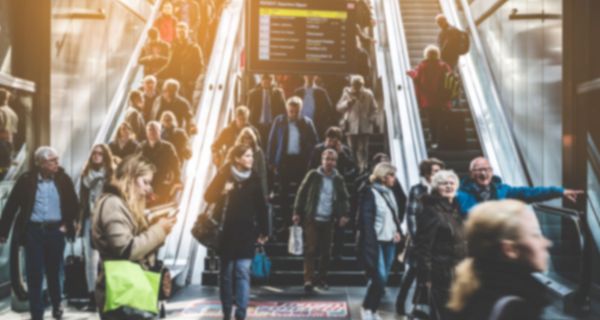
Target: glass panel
<point x="4" y="35"/>
<point x="5" y="188"/>
<point x="566" y="251"/>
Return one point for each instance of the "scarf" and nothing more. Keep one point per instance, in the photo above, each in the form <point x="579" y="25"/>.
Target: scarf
<point x="240" y="176"/>
<point x="94" y="182"/>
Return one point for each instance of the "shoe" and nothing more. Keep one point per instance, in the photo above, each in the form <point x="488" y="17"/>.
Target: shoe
<point x="308" y="287"/>
<point x="434" y="146"/>
<point x="57" y="313"/>
<point x="366" y="314"/>
<point x="91" y="306"/>
<point x="323" y="285"/>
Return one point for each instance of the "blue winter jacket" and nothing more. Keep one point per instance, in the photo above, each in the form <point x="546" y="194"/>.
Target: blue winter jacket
<point x="468" y="196"/>
<point x="278" y="138"/>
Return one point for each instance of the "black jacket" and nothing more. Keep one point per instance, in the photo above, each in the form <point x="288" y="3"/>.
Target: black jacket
<point x="180" y="107"/>
<point x="245" y="211"/>
<point x="186" y="62"/>
<point x="228" y="136"/>
<point x="164" y="157"/>
<point x="180" y="140"/>
<point x="440" y="242"/>
<point x="325" y="113"/>
<point x="255" y="103"/>
<point x="22" y="199"/>
<point x="366" y="239"/>
<point x="345" y="163"/>
<point x="501" y="279"/>
<point x="130" y="148"/>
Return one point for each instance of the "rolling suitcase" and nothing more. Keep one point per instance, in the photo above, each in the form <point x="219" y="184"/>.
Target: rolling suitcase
<point x="75" y="286"/>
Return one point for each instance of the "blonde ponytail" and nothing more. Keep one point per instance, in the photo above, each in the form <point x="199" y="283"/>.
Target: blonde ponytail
<point x="465" y="285"/>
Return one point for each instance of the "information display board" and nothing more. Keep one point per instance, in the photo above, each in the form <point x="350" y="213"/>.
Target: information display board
<point x="300" y="36"/>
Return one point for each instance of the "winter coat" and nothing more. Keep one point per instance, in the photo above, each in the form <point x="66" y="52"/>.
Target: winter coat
<point x="135" y="119"/>
<point x="154" y="56"/>
<point x="185" y="64"/>
<point x="90" y="189"/>
<point x="278" y="138"/>
<point x="468" y="196"/>
<point x="116" y="236"/>
<point x="166" y="25"/>
<point x="502" y="279"/>
<point x="345" y="162"/>
<point x="440" y="242"/>
<point x="449" y="43"/>
<point x="130" y="148"/>
<point x="255" y="104"/>
<point x="307" y="197"/>
<point x="22" y="199"/>
<point x="324" y="113"/>
<point x="245" y="212"/>
<point x="180" y="140"/>
<point x="359" y="116"/>
<point x="164" y="157"/>
<point x="260" y="167"/>
<point x="366" y="237"/>
<point x="178" y="105"/>
<point x="429" y="78"/>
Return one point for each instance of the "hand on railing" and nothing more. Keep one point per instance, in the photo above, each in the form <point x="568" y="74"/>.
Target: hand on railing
<point x="572" y="195"/>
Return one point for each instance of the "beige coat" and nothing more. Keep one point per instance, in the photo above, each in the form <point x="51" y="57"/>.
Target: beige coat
<point x="359" y="116"/>
<point x="115" y="235"/>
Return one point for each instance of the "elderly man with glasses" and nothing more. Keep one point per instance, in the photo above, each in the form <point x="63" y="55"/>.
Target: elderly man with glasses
<point x="482" y="185"/>
<point x="47" y="204"/>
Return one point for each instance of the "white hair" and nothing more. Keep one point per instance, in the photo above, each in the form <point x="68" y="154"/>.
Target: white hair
<point x="154" y="123"/>
<point x="294" y="101"/>
<point x="431" y="52"/>
<point x="43" y="153"/>
<point x="357" y="78"/>
<point x="443" y="176"/>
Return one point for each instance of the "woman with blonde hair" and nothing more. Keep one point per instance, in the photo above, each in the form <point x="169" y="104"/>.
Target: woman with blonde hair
<point x="120" y="229"/>
<point x="506" y="247"/>
<point x="379" y="231"/>
<point x="439" y="241"/>
<point x="98" y="171"/>
<point x="248" y="136"/>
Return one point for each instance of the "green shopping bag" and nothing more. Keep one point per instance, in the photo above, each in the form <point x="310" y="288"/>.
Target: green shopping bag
<point x="129" y="286"/>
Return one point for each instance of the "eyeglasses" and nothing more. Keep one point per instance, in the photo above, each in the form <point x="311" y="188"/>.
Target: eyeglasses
<point x="481" y="170"/>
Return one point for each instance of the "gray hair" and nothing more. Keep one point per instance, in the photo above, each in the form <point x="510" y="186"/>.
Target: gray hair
<point x="171" y="84"/>
<point x="431" y="52"/>
<point x="294" y="101"/>
<point x="154" y="123"/>
<point x="328" y="152"/>
<point x="43" y="153"/>
<point x="357" y="78"/>
<point x="381" y="170"/>
<point x="150" y="78"/>
<point x="443" y="176"/>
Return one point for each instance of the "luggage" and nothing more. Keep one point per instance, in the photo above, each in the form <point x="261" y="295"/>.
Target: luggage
<point x="454" y="135"/>
<point x="75" y="286"/>
<point x="464" y="43"/>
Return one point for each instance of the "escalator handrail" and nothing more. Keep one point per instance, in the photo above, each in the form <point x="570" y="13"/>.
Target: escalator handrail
<point x="570" y="214"/>
<point x="402" y="109"/>
<point x="118" y="103"/>
<point x="210" y="108"/>
<point x="496" y="136"/>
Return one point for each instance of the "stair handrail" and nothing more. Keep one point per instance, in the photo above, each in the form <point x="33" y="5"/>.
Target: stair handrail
<point x="496" y="136"/>
<point x="406" y="140"/>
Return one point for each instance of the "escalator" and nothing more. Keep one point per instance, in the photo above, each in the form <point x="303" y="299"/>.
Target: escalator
<point x="421" y="30"/>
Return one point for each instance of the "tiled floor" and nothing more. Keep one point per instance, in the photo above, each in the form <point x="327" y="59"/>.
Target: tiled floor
<point x="187" y="297"/>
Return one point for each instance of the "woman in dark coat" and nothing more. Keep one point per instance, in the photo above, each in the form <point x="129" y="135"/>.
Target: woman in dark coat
<point x="440" y="242"/>
<point x="378" y="233"/>
<point x="236" y="191"/>
<point x="124" y="144"/>
<point x="496" y="281"/>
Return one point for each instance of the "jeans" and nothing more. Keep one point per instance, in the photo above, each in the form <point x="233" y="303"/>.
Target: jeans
<point x="376" y="288"/>
<point x="91" y="256"/>
<point x="44" y="252"/>
<point x="359" y="143"/>
<point x="240" y="269"/>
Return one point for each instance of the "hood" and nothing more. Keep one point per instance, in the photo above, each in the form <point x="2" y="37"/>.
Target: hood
<point x="320" y="171"/>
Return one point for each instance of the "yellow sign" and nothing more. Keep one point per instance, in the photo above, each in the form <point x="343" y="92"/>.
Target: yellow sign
<point x="323" y="14"/>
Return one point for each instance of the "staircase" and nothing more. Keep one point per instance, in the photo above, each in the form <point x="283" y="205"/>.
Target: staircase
<point x="421" y="30"/>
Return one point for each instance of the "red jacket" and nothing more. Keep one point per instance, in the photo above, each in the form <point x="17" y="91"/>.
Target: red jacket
<point x="166" y="26"/>
<point x="429" y="83"/>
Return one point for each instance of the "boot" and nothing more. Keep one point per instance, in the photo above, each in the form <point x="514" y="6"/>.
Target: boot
<point x="91" y="307"/>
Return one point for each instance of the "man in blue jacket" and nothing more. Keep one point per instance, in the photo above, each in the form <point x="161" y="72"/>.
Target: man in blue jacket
<point x="483" y="185"/>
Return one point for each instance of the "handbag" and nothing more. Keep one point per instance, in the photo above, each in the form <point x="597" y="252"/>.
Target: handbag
<point x="75" y="286"/>
<point x="261" y="264"/>
<point x="209" y="225"/>
<point x="295" y="242"/>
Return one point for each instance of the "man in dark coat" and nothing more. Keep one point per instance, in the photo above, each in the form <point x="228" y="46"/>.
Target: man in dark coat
<point x="448" y="41"/>
<point x="333" y="140"/>
<point x="316" y="104"/>
<point x="291" y="140"/>
<point x="227" y="137"/>
<point x="151" y="94"/>
<point x="265" y="103"/>
<point x="186" y="62"/>
<point x="163" y="156"/>
<point x="134" y="115"/>
<point x="47" y="204"/>
<point x="155" y="53"/>
<point x="170" y="100"/>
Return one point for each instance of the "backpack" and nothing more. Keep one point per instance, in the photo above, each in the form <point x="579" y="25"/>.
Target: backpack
<point x="463" y="43"/>
<point x="451" y="85"/>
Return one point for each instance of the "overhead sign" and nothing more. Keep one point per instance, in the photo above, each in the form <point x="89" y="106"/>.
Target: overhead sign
<point x="300" y="36"/>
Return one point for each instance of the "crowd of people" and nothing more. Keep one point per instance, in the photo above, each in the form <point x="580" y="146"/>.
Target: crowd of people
<point x="467" y="246"/>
